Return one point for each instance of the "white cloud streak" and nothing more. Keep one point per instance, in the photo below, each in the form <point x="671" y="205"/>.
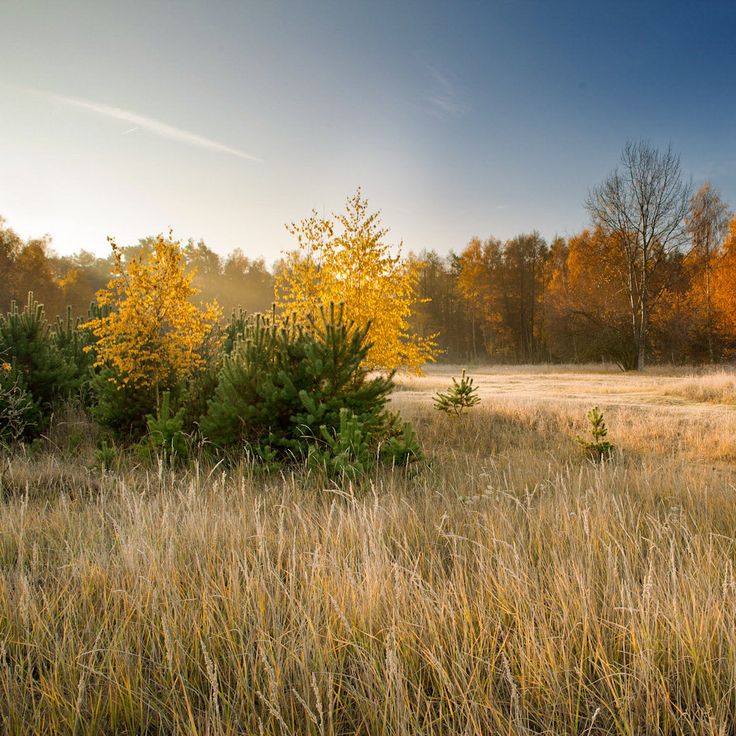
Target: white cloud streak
<point x="447" y="100"/>
<point x="152" y="126"/>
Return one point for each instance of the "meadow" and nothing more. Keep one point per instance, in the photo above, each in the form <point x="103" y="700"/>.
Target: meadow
<point x="508" y="586"/>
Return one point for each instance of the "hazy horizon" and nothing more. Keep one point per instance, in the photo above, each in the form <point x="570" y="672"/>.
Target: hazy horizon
<point x="226" y="121"/>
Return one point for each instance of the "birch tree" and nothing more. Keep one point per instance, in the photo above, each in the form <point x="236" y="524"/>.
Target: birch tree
<point x="643" y="206"/>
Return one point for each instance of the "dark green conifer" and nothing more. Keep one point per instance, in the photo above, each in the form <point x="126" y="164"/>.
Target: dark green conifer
<point x="37" y="363"/>
<point x="291" y="392"/>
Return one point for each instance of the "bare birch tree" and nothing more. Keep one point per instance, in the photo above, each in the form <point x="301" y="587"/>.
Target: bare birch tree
<point x="642" y="206"/>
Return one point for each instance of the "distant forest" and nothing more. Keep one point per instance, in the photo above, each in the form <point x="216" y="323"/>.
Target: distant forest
<point x="598" y="295"/>
<point x="61" y="281"/>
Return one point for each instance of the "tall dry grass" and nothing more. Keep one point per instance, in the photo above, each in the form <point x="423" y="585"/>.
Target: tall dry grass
<point x="510" y="588"/>
<point x="716" y="387"/>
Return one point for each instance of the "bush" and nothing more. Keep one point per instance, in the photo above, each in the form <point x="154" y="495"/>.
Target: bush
<point x="194" y="393"/>
<point x="295" y="392"/>
<point x="123" y="408"/>
<point x="347" y="451"/>
<point x="38" y="366"/>
<point x="18" y="414"/>
<point x="166" y="438"/>
<point x="106" y="456"/>
<point x="75" y="344"/>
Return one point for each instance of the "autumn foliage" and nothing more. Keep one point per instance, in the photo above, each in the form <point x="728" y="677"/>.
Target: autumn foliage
<point x="526" y="301"/>
<point x="598" y="294"/>
<point x="152" y="332"/>
<point x="345" y="260"/>
<point x="724" y="287"/>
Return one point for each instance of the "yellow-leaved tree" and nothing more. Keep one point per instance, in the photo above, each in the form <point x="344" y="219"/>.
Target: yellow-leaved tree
<point x="345" y="259"/>
<point x="150" y="333"/>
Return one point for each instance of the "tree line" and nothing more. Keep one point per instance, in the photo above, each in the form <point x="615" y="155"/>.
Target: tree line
<point x="653" y="278"/>
<point x="236" y="281"/>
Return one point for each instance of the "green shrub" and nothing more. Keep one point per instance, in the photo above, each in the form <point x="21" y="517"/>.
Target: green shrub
<point x="126" y="408"/>
<point x="37" y="363"/>
<point x="292" y="392"/>
<point x="194" y="395"/>
<point x="74" y="344"/>
<point x="401" y="446"/>
<point x="599" y="448"/>
<point x="121" y="408"/>
<point x="106" y="456"/>
<point x="460" y="396"/>
<point x="166" y="438"/>
<point x="18" y="414"/>
<point x="235" y="329"/>
<point x="346" y="451"/>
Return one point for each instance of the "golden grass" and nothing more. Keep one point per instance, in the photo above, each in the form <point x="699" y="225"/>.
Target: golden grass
<point x="604" y="384"/>
<point x="509" y="588"/>
<point x="718" y="387"/>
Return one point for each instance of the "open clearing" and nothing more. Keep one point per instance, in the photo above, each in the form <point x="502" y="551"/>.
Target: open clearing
<point x="677" y="412"/>
<point x="508" y="586"/>
<point x="606" y="386"/>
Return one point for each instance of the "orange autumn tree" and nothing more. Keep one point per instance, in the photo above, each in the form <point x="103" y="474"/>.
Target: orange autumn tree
<point x="724" y="288"/>
<point x="477" y="282"/>
<point x="708" y="224"/>
<point x="345" y="259"/>
<point x="586" y="299"/>
<point x="150" y="334"/>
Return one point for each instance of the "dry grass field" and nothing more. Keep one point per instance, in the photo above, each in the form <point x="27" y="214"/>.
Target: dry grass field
<point x="510" y="586"/>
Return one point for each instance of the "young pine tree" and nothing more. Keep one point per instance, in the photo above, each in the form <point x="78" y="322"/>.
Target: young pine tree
<point x="460" y="396"/>
<point x="286" y="388"/>
<point x="599" y="448"/>
<point x="37" y="365"/>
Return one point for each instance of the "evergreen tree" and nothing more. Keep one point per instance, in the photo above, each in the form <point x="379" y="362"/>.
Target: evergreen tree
<point x="41" y="369"/>
<point x="75" y="343"/>
<point x="460" y="396"/>
<point x="285" y="389"/>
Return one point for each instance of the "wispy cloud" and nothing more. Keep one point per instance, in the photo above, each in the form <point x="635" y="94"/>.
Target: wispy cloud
<point x="446" y="100"/>
<point x="152" y="126"/>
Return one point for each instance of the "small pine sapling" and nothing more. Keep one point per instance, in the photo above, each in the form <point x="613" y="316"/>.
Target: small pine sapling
<point x="402" y="447"/>
<point x="37" y="364"/>
<point x="165" y="433"/>
<point x="75" y="345"/>
<point x="460" y="396"/>
<point x="599" y="448"/>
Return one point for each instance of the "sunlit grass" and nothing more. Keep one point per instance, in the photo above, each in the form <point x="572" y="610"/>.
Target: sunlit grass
<point x="510" y="587"/>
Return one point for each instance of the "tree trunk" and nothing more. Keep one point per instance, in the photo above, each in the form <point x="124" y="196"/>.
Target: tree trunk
<point x="642" y="338"/>
<point x="472" y="327"/>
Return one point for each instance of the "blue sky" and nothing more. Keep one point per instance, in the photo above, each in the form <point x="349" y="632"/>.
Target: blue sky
<point x="224" y="120"/>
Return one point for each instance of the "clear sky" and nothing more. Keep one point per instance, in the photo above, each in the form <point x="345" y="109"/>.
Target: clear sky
<point x="224" y="120"/>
